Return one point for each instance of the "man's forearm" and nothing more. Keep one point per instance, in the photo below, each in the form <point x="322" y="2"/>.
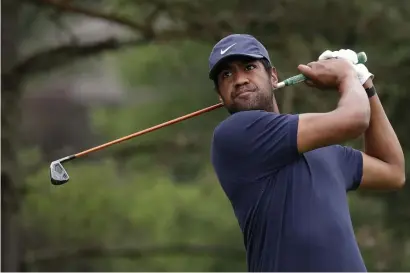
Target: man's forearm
<point x="353" y="107"/>
<point x="380" y="139"/>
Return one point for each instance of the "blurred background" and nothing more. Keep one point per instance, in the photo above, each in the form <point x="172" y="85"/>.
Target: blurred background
<point x="76" y="74"/>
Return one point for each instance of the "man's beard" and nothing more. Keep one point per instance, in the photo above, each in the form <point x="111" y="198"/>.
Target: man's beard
<point x="258" y="100"/>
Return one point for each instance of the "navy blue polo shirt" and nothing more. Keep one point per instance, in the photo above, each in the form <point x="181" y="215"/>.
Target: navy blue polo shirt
<point x="292" y="208"/>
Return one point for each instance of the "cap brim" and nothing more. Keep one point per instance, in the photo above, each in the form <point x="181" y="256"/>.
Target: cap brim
<point x="215" y="67"/>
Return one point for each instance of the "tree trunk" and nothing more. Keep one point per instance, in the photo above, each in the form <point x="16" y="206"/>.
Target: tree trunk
<point x="11" y="183"/>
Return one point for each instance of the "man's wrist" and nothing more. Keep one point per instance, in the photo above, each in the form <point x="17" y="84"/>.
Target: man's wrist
<point x="369" y="88"/>
<point x="348" y="77"/>
<point x="370" y="91"/>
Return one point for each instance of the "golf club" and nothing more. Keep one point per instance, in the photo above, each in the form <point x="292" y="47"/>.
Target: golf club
<point x="60" y="176"/>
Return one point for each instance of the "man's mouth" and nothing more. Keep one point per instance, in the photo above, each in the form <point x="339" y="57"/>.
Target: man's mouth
<point x="243" y="93"/>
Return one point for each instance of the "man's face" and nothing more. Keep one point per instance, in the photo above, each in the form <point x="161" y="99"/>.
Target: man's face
<point x="244" y="84"/>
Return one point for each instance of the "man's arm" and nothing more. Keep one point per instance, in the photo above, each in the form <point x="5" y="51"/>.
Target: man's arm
<point x="351" y="117"/>
<point x="383" y="159"/>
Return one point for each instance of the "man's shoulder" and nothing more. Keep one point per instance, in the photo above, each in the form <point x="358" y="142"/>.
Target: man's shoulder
<point x="256" y="130"/>
<point x="233" y="129"/>
<point x="240" y="116"/>
<point x="241" y="119"/>
<point x="231" y="122"/>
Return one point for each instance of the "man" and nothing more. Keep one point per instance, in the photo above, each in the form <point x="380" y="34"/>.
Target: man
<point x="286" y="175"/>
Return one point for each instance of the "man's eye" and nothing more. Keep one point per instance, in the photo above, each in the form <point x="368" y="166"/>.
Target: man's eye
<point x="250" y="67"/>
<point x="226" y="74"/>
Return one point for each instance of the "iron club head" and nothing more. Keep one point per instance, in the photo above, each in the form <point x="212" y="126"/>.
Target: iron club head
<point x="58" y="174"/>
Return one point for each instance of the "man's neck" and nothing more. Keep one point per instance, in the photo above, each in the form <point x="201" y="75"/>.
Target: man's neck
<point x="275" y="106"/>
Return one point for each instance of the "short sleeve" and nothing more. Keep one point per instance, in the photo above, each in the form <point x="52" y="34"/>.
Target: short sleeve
<point x="256" y="139"/>
<point x="351" y="163"/>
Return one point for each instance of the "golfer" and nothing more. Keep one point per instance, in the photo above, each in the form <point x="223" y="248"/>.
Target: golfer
<point x="287" y="175"/>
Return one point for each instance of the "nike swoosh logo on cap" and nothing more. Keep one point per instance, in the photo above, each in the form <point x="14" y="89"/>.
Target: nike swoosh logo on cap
<point x="223" y="51"/>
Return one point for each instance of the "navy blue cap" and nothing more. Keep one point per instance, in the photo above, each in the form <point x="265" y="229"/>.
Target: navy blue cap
<point x="236" y="45"/>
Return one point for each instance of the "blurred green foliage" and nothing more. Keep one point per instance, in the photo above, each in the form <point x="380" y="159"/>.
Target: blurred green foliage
<point x="140" y="211"/>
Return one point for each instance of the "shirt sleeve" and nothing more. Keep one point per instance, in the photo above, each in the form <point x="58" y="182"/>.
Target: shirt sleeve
<point x="256" y="139"/>
<point x="351" y="162"/>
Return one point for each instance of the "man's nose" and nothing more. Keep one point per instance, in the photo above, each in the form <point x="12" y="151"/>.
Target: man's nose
<point x="241" y="79"/>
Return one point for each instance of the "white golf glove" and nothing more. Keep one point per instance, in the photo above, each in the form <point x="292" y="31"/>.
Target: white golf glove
<point x="362" y="72"/>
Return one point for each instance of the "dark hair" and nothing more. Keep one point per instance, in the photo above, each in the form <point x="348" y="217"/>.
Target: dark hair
<point x="265" y="63"/>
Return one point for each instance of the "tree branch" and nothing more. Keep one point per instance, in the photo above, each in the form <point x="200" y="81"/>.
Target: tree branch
<point x="61" y="55"/>
<point x="56" y="19"/>
<point x="135" y="253"/>
<point x="66" y="6"/>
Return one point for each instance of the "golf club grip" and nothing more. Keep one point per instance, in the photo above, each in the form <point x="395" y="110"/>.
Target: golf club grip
<point x="153" y="128"/>
<point x="361" y="56"/>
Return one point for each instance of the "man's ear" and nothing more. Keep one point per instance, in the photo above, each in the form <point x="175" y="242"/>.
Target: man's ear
<point x="220" y="99"/>
<point x="274" y="76"/>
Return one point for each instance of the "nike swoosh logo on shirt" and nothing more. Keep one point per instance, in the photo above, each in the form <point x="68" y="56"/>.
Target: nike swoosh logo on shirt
<point x="226" y="49"/>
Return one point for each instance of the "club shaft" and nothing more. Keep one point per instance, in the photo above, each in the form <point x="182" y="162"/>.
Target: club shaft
<point x="153" y="128"/>
<point x="67" y="158"/>
<point x="156" y="127"/>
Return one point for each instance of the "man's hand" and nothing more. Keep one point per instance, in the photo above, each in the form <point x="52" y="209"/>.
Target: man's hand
<point x="326" y="74"/>
<point x="347" y="54"/>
